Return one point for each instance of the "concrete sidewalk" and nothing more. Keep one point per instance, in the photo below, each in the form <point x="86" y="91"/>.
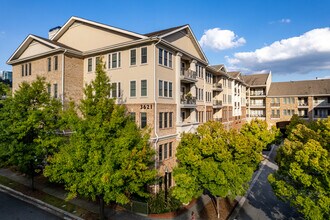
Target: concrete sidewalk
<point x="93" y="207"/>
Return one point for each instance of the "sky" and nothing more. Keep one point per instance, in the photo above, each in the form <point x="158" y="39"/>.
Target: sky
<point x="290" y="38"/>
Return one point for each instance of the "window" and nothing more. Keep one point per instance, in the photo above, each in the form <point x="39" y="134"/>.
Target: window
<point x="133" y="116"/>
<point x="23" y="70"/>
<point x="90" y="64"/>
<point x="114" y="90"/>
<point x="160" y="152"/>
<point x="97" y="61"/>
<point x="49" y="89"/>
<point x="49" y="60"/>
<point x="133" y="57"/>
<point x="229" y="99"/>
<point x="165" y="57"/>
<point x="170" y="59"/>
<point x="133" y="89"/>
<point x="143" y="119"/>
<point x="170" y="124"/>
<point x="55" y="62"/>
<point x="170" y="149"/>
<point x="160" y="119"/>
<point x="160" y="89"/>
<point x="144" y="55"/>
<point x="165" y="119"/>
<point x="26" y="69"/>
<point x="114" y="60"/>
<point x="160" y="56"/>
<point x="165" y="89"/>
<point x="55" y="91"/>
<point x="143" y="87"/>
<point x="170" y="89"/>
<point x="30" y="69"/>
<point x="165" y="151"/>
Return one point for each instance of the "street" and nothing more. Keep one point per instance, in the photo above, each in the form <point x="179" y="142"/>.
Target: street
<point x="12" y="208"/>
<point x="261" y="203"/>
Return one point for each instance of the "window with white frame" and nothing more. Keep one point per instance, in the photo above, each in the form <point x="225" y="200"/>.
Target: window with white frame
<point x="165" y="58"/>
<point x="132" y="89"/>
<point x="144" y="55"/>
<point x="90" y="64"/>
<point x="165" y="119"/>
<point x="114" y="60"/>
<point x="144" y="88"/>
<point x="165" y="89"/>
<point x="115" y="90"/>
<point x="133" y="57"/>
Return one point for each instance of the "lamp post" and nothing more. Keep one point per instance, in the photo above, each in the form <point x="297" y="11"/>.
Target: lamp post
<point x="165" y="180"/>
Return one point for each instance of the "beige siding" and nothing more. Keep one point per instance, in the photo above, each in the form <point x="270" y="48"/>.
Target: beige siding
<point x="34" y="48"/>
<point x="85" y="37"/>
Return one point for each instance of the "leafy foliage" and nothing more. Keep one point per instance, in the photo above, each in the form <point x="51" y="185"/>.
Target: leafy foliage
<point x="213" y="159"/>
<point x="158" y="205"/>
<point x="107" y="156"/>
<point x="304" y="168"/>
<point x="29" y="121"/>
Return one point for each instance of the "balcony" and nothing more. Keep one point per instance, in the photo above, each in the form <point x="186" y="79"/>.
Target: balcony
<point x="257" y="116"/>
<point x="274" y="116"/>
<point x="188" y="76"/>
<point x="257" y="105"/>
<point x="257" y="93"/>
<point x="303" y="104"/>
<point x="217" y="119"/>
<point x="274" y="104"/>
<point x="321" y="104"/>
<point x="217" y="87"/>
<point x="217" y="104"/>
<point x="188" y="102"/>
<point x="303" y="116"/>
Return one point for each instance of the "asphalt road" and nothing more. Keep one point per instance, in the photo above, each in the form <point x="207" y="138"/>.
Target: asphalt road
<point x="261" y="203"/>
<point x="15" y="209"/>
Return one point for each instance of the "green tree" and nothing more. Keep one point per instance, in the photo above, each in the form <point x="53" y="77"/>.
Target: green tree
<point x="304" y="169"/>
<point x="28" y="122"/>
<point x="4" y="90"/>
<point x="213" y="159"/>
<point x="107" y="157"/>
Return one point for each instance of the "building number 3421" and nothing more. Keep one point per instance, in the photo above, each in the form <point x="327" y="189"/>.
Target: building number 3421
<point x="145" y="106"/>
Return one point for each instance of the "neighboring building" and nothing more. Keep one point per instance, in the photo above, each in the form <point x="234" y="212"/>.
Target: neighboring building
<point x="163" y="78"/>
<point x="258" y="87"/>
<point x="6" y="76"/>
<point x="309" y="99"/>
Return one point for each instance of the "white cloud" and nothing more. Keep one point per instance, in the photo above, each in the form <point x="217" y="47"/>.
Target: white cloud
<point x="302" y="54"/>
<point x="218" y="39"/>
<point x="285" y="20"/>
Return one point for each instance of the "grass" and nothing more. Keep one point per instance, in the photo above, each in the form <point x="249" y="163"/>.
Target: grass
<point x="49" y="199"/>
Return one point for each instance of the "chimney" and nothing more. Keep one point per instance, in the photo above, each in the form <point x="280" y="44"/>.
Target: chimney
<point x="53" y="31"/>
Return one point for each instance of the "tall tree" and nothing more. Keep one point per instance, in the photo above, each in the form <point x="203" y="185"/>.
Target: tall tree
<point x="213" y="159"/>
<point x="107" y="157"/>
<point x="304" y="169"/>
<point x="29" y="121"/>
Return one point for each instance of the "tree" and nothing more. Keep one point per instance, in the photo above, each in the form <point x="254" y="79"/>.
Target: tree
<point x="4" y="90"/>
<point x="259" y="136"/>
<point x="107" y="157"/>
<point x="29" y="121"/>
<point x="304" y="169"/>
<point x="213" y="159"/>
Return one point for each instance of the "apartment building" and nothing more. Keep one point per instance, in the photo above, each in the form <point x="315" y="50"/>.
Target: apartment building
<point x="309" y="99"/>
<point x="258" y="87"/>
<point x="163" y="78"/>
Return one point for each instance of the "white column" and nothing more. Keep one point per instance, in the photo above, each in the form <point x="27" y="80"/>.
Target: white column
<point x="193" y="91"/>
<point x="178" y="87"/>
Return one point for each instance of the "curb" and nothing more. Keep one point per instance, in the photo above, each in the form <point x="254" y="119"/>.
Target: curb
<point x="242" y="199"/>
<point x="38" y="203"/>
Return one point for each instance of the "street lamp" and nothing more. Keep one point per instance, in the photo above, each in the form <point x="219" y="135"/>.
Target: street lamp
<point x="165" y="180"/>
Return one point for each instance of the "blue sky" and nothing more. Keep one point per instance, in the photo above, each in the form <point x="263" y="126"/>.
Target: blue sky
<point x="289" y="37"/>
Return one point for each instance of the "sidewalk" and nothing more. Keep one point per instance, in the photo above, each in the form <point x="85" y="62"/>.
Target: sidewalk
<point x="94" y="208"/>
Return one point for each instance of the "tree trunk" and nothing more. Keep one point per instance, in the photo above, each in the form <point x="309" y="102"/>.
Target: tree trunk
<point x="218" y="206"/>
<point x="32" y="175"/>
<point x="102" y="215"/>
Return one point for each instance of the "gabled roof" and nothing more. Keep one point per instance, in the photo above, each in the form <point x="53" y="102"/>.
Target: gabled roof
<point x="303" y="88"/>
<point x="73" y="19"/>
<point x="169" y="31"/>
<point x="30" y="38"/>
<point x="219" y="67"/>
<point x="256" y="79"/>
<point x="163" y="32"/>
<point x="234" y="74"/>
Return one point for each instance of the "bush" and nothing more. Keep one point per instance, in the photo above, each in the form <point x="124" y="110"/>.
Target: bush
<point x="157" y="203"/>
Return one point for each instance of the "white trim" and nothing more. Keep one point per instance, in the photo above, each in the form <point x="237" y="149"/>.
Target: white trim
<point x="141" y="55"/>
<point x="67" y="25"/>
<point x="129" y="57"/>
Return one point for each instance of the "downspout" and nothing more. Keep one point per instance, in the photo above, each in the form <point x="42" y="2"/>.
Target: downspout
<point x="63" y="78"/>
<point x="155" y="109"/>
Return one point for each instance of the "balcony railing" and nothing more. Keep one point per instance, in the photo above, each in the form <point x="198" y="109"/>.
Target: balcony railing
<point x="218" y="119"/>
<point x="303" y="104"/>
<point x="258" y="115"/>
<point x="217" y="103"/>
<point x="275" y="116"/>
<point x="188" y="102"/>
<point x="320" y="104"/>
<point x="257" y="93"/>
<point x="303" y="116"/>
<point x="188" y="75"/>
<point x="257" y="105"/>
<point x="274" y="104"/>
<point x="217" y="86"/>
